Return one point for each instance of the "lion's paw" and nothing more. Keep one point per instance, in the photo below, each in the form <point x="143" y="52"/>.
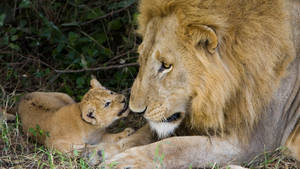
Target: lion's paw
<point x="101" y="152"/>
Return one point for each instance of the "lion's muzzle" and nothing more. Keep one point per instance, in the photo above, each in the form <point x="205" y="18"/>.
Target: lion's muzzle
<point x="173" y="117"/>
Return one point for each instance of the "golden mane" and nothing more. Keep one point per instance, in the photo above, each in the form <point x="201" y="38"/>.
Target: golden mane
<point x="253" y="42"/>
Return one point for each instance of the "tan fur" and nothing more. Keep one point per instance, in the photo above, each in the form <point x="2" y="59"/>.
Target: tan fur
<point x="228" y="94"/>
<point x="293" y="142"/>
<point x="55" y="120"/>
<point x="223" y="66"/>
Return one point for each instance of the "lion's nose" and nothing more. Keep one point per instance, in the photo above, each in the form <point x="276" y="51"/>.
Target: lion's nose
<point x="141" y="112"/>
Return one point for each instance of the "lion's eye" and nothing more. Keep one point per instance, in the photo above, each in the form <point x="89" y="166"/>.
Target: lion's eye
<point x="107" y="104"/>
<point x="164" y="66"/>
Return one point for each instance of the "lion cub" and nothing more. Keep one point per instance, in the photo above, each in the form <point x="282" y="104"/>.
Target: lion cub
<point x="65" y="125"/>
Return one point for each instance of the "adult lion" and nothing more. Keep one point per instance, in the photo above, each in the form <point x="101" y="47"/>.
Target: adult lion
<point x="226" y="70"/>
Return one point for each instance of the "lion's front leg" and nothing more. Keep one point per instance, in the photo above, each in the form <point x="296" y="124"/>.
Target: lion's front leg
<point x="179" y="152"/>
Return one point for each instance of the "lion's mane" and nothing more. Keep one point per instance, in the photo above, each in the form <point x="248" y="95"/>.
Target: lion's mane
<point x="254" y="44"/>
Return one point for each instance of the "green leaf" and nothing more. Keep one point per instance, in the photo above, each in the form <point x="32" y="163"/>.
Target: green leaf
<point x="12" y="31"/>
<point x="22" y="23"/>
<point x="47" y="71"/>
<point x="70" y="24"/>
<point x="115" y="24"/>
<point x="84" y="40"/>
<point x="14" y="37"/>
<point x="122" y="4"/>
<point x="92" y="14"/>
<point x="2" y="19"/>
<point x="80" y="82"/>
<point x="25" y="4"/>
<point x="100" y="37"/>
<point x="5" y="40"/>
<point x="72" y="37"/>
<point x="59" y="48"/>
<point x="32" y="131"/>
<point x="71" y="55"/>
<point x="41" y="132"/>
<point x="34" y="44"/>
<point x="76" y="153"/>
<point x="14" y="46"/>
<point x="68" y="89"/>
<point x="45" y="33"/>
<point x="106" y="51"/>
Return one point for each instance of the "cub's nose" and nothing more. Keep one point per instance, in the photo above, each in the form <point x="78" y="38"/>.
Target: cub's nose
<point x="124" y="110"/>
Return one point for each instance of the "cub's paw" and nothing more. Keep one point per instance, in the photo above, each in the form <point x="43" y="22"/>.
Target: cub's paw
<point x="125" y="133"/>
<point x="128" y="131"/>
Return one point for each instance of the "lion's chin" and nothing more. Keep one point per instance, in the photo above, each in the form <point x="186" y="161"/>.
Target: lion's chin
<point x="163" y="129"/>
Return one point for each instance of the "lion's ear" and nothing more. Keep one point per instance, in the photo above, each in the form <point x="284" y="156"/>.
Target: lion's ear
<point x="205" y="37"/>
<point x="96" y="84"/>
<point x="88" y="113"/>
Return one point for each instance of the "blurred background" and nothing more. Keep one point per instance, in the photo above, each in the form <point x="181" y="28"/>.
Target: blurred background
<point x="55" y="45"/>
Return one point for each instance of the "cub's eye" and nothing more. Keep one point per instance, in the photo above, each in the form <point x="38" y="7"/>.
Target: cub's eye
<point x="107" y="104"/>
<point x="164" y="66"/>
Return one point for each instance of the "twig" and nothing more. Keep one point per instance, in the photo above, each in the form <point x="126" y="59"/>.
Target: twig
<point x="123" y="54"/>
<point x="97" y="68"/>
<point x="125" y="60"/>
<point x="3" y="92"/>
<point x="92" y="39"/>
<point x="30" y="57"/>
<point x="120" y="55"/>
<point x="106" y="15"/>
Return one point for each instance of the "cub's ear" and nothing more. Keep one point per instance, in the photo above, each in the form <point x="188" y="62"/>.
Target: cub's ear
<point x="204" y="37"/>
<point x="95" y="84"/>
<point x="88" y="114"/>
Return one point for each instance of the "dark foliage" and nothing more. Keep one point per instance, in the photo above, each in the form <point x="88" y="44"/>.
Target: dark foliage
<point x="55" y="45"/>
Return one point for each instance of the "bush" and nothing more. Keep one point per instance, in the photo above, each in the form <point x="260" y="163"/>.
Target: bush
<point x="55" y="45"/>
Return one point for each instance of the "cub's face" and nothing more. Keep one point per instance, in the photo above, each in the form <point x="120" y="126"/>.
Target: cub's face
<point x="100" y="106"/>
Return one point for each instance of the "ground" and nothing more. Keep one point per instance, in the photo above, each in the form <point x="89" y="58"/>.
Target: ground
<point x="18" y="151"/>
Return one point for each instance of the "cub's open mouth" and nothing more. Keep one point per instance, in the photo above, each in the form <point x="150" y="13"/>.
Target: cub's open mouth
<point x="123" y="110"/>
<point x="173" y="117"/>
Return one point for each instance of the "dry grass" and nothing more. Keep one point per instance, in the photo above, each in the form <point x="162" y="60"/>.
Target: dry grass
<point x="273" y="160"/>
<point x="18" y="151"/>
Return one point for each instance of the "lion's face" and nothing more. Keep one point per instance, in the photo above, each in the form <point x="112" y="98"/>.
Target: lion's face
<point x="100" y="106"/>
<point x="180" y="73"/>
<point x="200" y="60"/>
<point x="162" y="87"/>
